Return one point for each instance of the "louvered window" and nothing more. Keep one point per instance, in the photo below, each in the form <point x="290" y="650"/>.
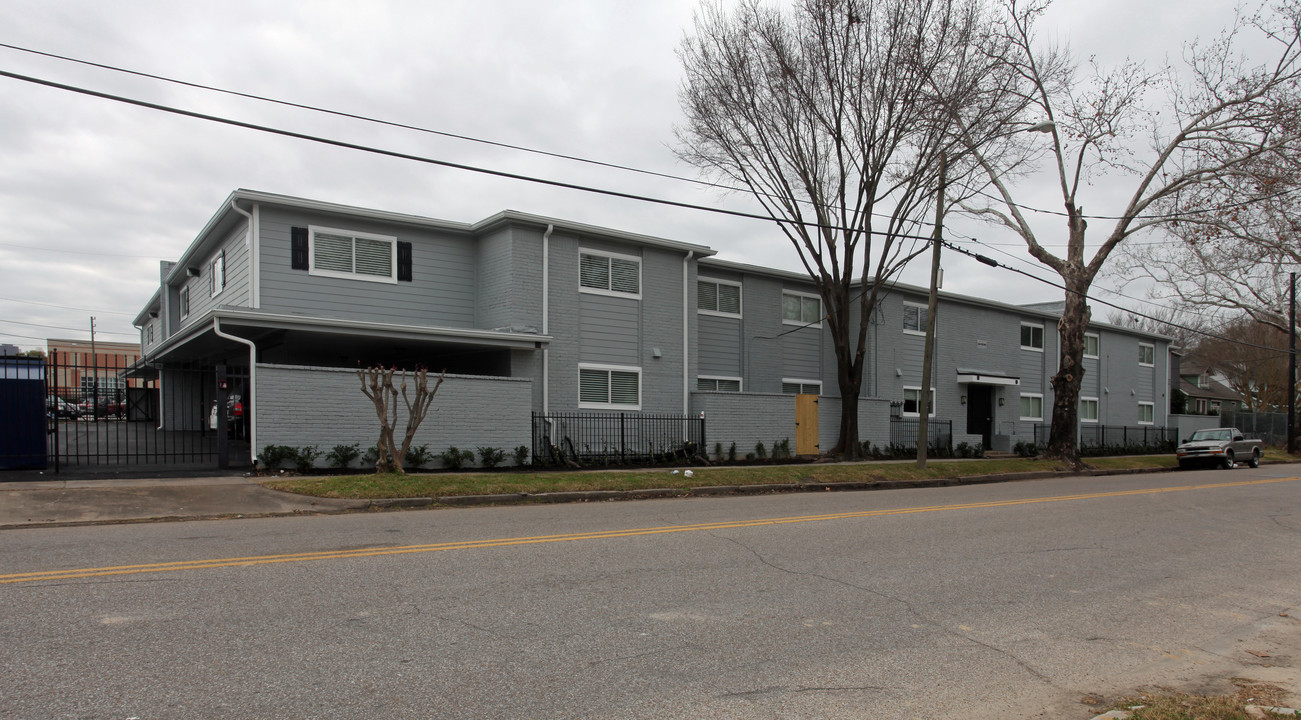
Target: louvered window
<point x="609" y="273"/>
<point x="715" y="297"/>
<point x="801" y="387"/>
<point x="362" y="256"/>
<point x="602" y="387"/>
<point x="801" y="309"/>
<point x="718" y="384"/>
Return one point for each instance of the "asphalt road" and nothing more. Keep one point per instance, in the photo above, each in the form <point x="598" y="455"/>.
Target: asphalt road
<point x="967" y="602"/>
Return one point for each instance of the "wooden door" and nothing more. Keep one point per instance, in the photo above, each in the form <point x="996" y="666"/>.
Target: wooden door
<point x="806" y="425"/>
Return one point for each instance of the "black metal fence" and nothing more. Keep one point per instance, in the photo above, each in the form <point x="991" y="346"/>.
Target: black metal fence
<point x="1270" y="427"/>
<point x="615" y="438"/>
<point x="1117" y="438"/>
<point x="905" y="431"/>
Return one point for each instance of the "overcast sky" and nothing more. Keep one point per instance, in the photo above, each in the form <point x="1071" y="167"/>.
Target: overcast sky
<point x="94" y="193"/>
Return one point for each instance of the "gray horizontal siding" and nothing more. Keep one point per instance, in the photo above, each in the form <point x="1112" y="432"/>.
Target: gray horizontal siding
<point x="609" y="329"/>
<point x="719" y="343"/>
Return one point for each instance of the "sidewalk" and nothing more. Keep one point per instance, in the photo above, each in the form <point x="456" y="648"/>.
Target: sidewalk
<point x="91" y="500"/>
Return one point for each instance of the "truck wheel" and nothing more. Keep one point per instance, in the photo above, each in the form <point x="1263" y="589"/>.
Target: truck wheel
<point x="1228" y="460"/>
<point x="1255" y="458"/>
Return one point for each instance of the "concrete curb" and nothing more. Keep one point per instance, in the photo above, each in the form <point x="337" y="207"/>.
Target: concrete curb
<point x="1260" y="711"/>
<point x="717" y="490"/>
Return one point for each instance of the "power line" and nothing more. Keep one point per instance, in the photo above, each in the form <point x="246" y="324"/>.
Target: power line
<point x="80" y="252"/>
<point x="428" y="160"/>
<point x="66" y="307"/>
<point x="60" y="327"/>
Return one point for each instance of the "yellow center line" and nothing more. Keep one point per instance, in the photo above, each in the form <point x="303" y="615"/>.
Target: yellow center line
<point x="596" y="535"/>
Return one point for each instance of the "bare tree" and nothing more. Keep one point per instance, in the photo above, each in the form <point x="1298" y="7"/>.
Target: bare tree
<point x="1251" y="356"/>
<point x="1184" y="331"/>
<point x="377" y="384"/>
<point x="834" y="116"/>
<point x="1214" y="117"/>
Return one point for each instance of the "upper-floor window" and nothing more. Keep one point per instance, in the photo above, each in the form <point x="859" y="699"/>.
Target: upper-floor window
<point x="718" y="297"/>
<point x="794" y="386"/>
<point x="719" y="384"/>
<point x="217" y="274"/>
<point x="915" y="317"/>
<point x="352" y="254"/>
<point x="801" y="308"/>
<point x="185" y="302"/>
<point x="149" y="333"/>
<point x="608" y="273"/>
<point x="1146" y="354"/>
<point x="1091" y="345"/>
<point x="1032" y="337"/>
<point x="609" y="386"/>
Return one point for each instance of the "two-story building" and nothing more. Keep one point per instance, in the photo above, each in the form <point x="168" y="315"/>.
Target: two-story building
<point x="534" y="315"/>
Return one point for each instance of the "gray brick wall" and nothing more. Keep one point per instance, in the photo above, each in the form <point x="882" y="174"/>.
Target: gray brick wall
<point x="300" y="406"/>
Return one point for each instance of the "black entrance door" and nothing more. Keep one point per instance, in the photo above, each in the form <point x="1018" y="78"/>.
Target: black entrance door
<point x="980" y="413"/>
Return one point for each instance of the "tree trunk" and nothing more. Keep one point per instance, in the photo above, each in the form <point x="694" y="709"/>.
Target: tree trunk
<point x="1062" y="442"/>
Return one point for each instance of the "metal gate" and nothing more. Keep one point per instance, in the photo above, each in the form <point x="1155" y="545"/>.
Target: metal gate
<point x="100" y="412"/>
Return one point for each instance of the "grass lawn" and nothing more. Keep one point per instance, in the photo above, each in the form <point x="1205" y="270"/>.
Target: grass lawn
<point x="372" y="486"/>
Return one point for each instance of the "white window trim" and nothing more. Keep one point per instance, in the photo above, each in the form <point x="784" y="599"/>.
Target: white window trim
<point x="1097" y="406"/>
<point x="803" y="381"/>
<point x="1031" y="395"/>
<point x="217" y="275"/>
<point x="930" y="408"/>
<point x="392" y="279"/>
<point x="1153" y="420"/>
<point x="720" y="313"/>
<point x="608" y="293"/>
<point x="607" y="368"/>
<point x="1042" y="332"/>
<point x="740" y="382"/>
<point x="1148" y="345"/>
<point x="183" y="300"/>
<point x="923" y="306"/>
<point x="1096" y="337"/>
<point x="817" y="324"/>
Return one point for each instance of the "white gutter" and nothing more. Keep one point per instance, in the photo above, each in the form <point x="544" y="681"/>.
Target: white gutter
<point x="686" y="334"/>
<point x="546" y="317"/>
<point x="251" y="243"/>
<point x="251" y="407"/>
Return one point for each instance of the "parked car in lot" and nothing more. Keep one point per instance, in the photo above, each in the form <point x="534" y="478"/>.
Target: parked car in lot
<point x="236" y="416"/>
<point x="57" y="407"/>
<point x="1225" y="447"/>
<point x="108" y="407"/>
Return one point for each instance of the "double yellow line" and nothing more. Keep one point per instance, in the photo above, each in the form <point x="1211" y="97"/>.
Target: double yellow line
<point x="51" y="575"/>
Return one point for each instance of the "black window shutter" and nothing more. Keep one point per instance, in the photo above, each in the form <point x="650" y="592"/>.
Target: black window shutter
<point x="404" y="261"/>
<point x="223" y="268"/>
<point x="298" y="248"/>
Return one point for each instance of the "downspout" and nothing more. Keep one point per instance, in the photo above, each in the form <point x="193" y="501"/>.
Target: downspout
<point x="250" y="242"/>
<point x="546" y="317"/>
<point x="252" y="383"/>
<point x="686" y="335"/>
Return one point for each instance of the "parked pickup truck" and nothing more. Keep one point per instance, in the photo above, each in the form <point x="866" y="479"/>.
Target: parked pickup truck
<point x="1220" y="446"/>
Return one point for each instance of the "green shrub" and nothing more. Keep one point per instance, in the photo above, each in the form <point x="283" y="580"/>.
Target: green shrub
<point x="491" y="457"/>
<point x="343" y="455"/>
<point x="454" y="458"/>
<point x="370" y="457"/>
<point x="718" y="451"/>
<point x="305" y="458"/>
<point x="760" y="452"/>
<point x="521" y="455"/>
<point x="781" y="449"/>
<point x="731" y="453"/>
<point x="272" y="455"/>
<point x="417" y="457"/>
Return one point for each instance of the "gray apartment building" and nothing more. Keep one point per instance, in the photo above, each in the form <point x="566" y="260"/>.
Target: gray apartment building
<point x="534" y="315"/>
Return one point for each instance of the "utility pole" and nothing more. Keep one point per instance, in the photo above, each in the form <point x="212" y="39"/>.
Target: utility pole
<point x="94" y="369"/>
<point x="928" y="352"/>
<point x="1291" y="365"/>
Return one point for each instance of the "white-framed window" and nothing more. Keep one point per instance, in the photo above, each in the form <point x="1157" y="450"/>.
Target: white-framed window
<point x="1032" y="406"/>
<point x="217" y="274"/>
<point x="912" y="402"/>
<point x="1201" y="406"/>
<point x="915" y="317"/>
<point x="609" y="387"/>
<point x="1092" y="344"/>
<point x="185" y="302"/>
<point x="718" y="297"/>
<point x="801" y="308"/>
<point x="607" y="273"/>
<point x="718" y="384"/>
<point x="1032" y="337"/>
<point x="1146" y="354"/>
<point x="354" y="255"/>
<point x="1146" y="413"/>
<point x="1088" y="409"/>
<point x="149" y="333"/>
<point x="796" y="386"/>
